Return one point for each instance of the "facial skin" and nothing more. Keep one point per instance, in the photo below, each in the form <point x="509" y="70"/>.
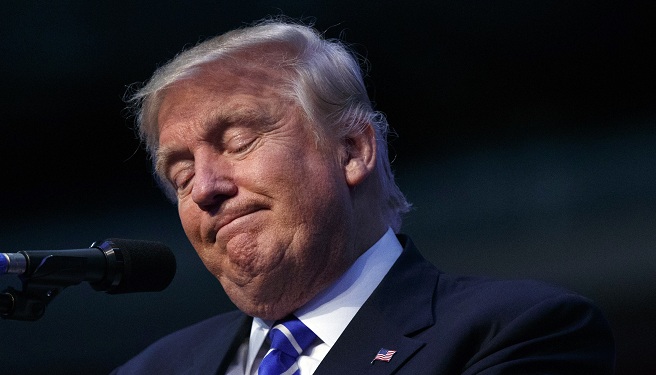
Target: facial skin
<point x="271" y="212"/>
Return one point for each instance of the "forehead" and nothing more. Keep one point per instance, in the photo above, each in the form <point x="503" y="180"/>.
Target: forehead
<point x="224" y="89"/>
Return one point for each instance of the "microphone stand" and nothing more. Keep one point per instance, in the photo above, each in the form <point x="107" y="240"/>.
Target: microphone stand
<point x="51" y="276"/>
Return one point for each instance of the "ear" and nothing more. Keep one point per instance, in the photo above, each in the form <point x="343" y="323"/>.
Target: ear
<point x="360" y="155"/>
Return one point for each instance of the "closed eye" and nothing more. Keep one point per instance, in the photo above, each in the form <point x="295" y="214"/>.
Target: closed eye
<point x="240" y="141"/>
<point x="244" y="147"/>
<point x="180" y="176"/>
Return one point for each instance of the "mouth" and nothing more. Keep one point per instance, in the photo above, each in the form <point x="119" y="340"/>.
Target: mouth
<point x="233" y="218"/>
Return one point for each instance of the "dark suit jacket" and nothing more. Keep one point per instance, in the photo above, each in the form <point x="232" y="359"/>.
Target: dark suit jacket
<point x="437" y="323"/>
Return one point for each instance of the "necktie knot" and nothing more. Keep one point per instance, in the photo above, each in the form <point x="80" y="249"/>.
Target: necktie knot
<point x="289" y="338"/>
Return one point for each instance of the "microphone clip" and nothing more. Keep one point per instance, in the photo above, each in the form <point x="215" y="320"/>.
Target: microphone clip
<point x="28" y="304"/>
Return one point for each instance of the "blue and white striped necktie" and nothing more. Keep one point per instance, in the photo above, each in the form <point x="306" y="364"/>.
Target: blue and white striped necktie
<point x="289" y="338"/>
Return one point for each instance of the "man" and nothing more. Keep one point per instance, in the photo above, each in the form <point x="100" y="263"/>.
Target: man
<point x="267" y="141"/>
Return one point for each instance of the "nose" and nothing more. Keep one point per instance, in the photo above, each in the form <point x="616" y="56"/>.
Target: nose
<point x="213" y="181"/>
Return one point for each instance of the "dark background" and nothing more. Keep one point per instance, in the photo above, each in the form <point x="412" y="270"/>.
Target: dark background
<point x="526" y="141"/>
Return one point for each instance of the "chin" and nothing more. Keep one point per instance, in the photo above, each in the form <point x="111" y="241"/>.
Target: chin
<point x="266" y="312"/>
<point x="276" y="307"/>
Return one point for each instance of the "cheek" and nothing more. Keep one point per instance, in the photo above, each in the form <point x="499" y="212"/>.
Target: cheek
<point x="190" y="222"/>
<point x="298" y="173"/>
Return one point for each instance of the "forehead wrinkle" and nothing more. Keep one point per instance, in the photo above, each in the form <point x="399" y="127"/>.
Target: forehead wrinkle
<point x="261" y="113"/>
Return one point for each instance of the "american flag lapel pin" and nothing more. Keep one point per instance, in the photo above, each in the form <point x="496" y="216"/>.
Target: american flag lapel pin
<point x="384" y="355"/>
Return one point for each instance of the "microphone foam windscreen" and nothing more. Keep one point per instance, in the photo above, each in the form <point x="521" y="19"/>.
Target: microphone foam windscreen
<point x="148" y="266"/>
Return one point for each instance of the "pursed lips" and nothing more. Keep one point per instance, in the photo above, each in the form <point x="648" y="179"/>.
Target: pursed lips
<point x="229" y="216"/>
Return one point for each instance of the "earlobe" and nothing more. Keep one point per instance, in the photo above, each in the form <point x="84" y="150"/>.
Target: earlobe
<point x="360" y="158"/>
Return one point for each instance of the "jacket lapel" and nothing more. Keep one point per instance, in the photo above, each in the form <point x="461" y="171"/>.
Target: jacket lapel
<point x="398" y="308"/>
<point x="215" y="357"/>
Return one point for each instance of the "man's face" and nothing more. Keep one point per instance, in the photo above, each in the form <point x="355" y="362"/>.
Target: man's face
<point x="265" y="206"/>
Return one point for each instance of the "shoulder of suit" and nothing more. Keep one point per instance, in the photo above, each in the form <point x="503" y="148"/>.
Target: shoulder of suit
<point x="484" y="297"/>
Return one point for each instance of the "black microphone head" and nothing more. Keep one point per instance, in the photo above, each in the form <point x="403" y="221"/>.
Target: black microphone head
<point x="147" y="266"/>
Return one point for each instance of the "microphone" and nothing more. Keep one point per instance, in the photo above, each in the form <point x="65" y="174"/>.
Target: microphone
<point x="114" y="266"/>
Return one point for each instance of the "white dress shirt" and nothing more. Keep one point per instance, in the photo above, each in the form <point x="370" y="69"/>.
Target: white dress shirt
<point x="328" y="313"/>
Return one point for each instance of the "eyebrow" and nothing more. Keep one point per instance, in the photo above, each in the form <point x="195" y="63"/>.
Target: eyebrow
<point x="244" y="116"/>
